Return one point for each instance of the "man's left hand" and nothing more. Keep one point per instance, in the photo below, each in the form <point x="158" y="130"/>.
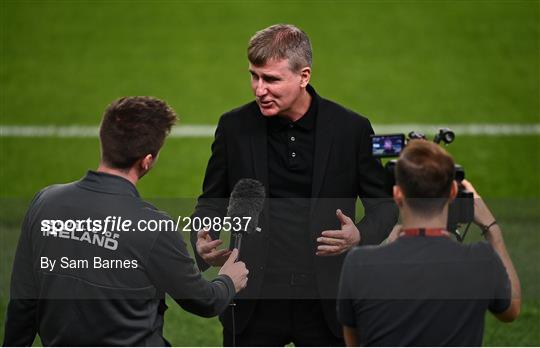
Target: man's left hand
<point x="335" y="242"/>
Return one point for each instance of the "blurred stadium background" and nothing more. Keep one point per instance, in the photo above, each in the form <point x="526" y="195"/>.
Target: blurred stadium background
<point x="414" y="62"/>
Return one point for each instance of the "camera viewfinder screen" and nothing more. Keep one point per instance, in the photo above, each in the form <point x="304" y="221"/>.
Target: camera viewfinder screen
<point x="388" y="145"/>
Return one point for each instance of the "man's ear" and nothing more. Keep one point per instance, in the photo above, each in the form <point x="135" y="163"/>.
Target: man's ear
<point x="453" y="190"/>
<point x="398" y="195"/>
<point x="305" y="76"/>
<point x="147" y="162"/>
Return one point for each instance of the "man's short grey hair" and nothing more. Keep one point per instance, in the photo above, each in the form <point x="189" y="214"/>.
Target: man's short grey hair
<point x="280" y="41"/>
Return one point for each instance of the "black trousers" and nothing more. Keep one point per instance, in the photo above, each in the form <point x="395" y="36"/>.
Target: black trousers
<point x="278" y="322"/>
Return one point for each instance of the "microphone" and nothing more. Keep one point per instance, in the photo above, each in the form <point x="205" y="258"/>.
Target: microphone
<point x="246" y="201"/>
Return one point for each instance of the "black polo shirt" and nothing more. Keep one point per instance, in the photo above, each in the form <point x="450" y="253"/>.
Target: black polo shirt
<point x="422" y="291"/>
<point x="290" y="171"/>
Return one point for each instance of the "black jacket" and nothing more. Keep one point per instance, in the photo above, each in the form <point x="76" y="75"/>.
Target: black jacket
<point x="93" y="305"/>
<point x="343" y="170"/>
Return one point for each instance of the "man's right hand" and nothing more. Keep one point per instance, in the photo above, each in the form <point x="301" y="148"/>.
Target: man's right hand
<point x="206" y="248"/>
<point x="236" y="270"/>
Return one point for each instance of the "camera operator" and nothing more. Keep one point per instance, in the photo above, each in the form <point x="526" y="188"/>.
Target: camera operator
<point x="425" y="289"/>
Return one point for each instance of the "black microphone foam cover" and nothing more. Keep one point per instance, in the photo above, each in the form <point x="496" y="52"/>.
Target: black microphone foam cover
<point x="247" y="200"/>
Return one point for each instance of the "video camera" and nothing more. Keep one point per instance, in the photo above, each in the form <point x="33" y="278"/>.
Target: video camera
<point x="461" y="210"/>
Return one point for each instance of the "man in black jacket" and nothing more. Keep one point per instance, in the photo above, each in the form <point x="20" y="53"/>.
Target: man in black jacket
<point x="94" y="260"/>
<point x="314" y="158"/>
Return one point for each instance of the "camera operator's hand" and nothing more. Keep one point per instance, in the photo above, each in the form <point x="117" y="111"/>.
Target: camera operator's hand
<point x="206" y="248"/>
<point x="236" y="270"/>
<point x="335" y="242"/>
<point x="482" y="214"/>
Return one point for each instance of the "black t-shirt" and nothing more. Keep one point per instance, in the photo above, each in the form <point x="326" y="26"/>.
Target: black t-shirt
<point x="422" y="291"/>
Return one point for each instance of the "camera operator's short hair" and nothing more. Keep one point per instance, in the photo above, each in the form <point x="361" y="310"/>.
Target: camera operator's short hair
<point x="280" y="41"/>
<point x="425" y="173"/>
<point x="133" y="127"/>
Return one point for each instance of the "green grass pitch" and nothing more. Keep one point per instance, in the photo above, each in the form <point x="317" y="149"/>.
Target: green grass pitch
<point x="445" y="62"/>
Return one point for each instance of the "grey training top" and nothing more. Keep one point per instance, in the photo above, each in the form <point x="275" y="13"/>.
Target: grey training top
<point x="107" y="287"/>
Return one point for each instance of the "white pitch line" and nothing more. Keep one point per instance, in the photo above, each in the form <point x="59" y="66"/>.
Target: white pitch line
<point x="199" y="131"/>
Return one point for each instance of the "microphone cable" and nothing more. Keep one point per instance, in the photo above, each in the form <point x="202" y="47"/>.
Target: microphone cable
<point x="233" y="306"/>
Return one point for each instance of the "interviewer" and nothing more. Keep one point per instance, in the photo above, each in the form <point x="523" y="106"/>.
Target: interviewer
<point x="120" y="301"/>
<point x="425" y="289"/>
